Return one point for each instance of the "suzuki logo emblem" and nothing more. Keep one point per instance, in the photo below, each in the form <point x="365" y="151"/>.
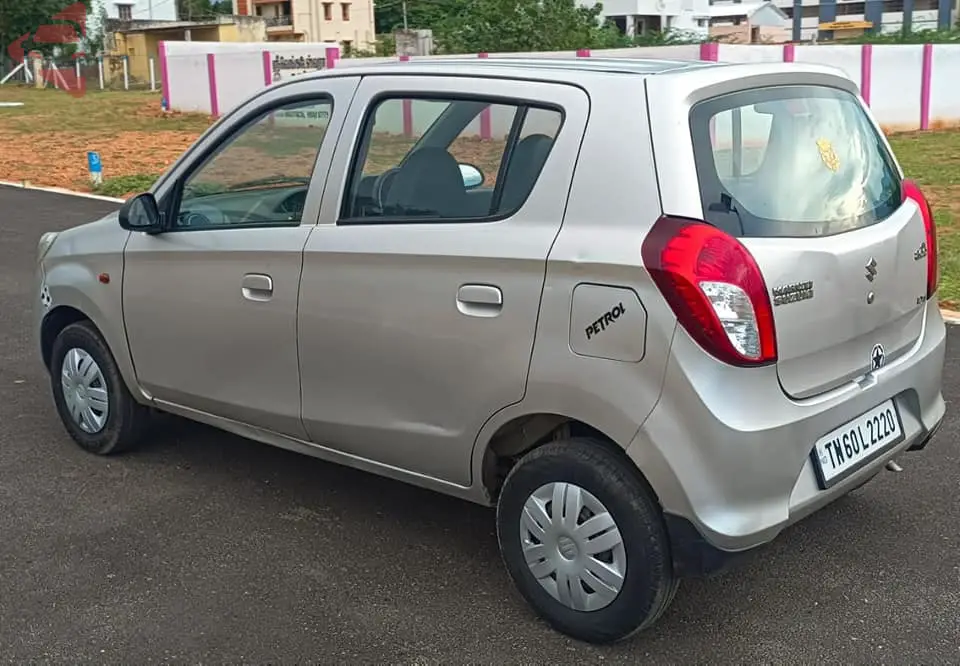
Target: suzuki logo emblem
<point x="871" y="269"/>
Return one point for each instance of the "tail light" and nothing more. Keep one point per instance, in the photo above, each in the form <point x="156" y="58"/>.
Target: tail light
<point x="912" y="191"/>
<point x="715" y="288"/>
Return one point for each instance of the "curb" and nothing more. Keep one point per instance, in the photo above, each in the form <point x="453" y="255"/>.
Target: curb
<point x="60" y="190"/>
<point x="950" y="316"/>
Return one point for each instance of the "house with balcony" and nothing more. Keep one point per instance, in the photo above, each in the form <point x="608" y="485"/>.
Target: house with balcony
<point x="836" y="19"/>
<point x="638" y="17"/>
<point x="349" y="22"/>
<point x="129" y="11"/>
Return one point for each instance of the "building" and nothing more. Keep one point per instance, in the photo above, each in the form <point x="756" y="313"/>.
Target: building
<point x="349" y="22"/>
<point x="639" y="17"/>
<point x="741" y="23"/>
<point x="836" y="19"/>
<point x="817" y="19"/>
<point x="130" y="10"/>
<point x="139" y="40"/>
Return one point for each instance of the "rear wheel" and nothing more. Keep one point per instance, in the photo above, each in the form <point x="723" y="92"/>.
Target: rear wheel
<point x="91" y="397"/>
<point x="584" y="541"/>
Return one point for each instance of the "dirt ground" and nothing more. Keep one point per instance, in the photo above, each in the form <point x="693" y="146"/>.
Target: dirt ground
<point x="45" y="142"/>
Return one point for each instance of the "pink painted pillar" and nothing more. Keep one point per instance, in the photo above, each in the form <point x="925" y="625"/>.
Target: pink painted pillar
<point x="268" y="78"/>
<point x="486" y="119"/>
<point x="267" y="68"/>
<point x="212" y="80"/>
<point x="407" y="106"/>
<point x="583" y="53"/>
<point x="789" y="52"/>
<point x="866" y="71"/>
<point x="164" y="73"/>
<point x="926" y="75"/>
<point x="332" y="56"/>
<point x="710" y="51"/>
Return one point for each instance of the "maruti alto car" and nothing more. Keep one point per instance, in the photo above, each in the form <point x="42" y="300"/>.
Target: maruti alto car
<point x="654" y="312"/>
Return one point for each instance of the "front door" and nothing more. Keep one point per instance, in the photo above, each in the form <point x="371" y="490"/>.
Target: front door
<point x="210" y="304"/>
<point x="421" y="284"/>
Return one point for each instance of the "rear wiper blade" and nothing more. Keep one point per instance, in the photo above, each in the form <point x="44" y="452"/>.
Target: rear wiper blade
<point x="727" y="205"/>
<point x="273" y="180"/>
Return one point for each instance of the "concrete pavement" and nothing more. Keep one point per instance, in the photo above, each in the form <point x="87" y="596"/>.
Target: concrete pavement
<point x="204" y="547"/>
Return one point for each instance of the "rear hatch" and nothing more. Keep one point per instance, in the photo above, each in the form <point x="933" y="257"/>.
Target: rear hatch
<point x="803" y="178"/>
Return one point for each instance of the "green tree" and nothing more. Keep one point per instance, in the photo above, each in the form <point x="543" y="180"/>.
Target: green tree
<point x="420" y="13"/>
<point x="24" y="17"/>
<point x="96" y="41"/>
<point x="524" y="25"/>
<point x="197" y="10"/>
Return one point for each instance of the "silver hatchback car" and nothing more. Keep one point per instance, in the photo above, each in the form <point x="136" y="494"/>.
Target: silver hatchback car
<point x="654" y="312"/>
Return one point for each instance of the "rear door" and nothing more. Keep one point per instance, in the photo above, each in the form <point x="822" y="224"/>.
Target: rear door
<point x="802" y="176"/>
<point x="421" y="290"/>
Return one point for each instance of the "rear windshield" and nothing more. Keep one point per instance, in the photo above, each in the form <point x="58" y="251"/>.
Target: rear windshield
<point x="791" y="161"/>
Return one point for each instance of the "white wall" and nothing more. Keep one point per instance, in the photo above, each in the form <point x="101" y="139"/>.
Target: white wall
<point x="895" y="90"/>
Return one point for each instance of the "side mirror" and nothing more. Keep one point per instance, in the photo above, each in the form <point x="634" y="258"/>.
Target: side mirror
<point x="141" y="213"/>
<point x="472" y="176"/>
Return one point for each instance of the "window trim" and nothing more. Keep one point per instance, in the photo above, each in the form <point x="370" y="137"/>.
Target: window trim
<point x="170" y="206"/>
<point x="361" y="149"/>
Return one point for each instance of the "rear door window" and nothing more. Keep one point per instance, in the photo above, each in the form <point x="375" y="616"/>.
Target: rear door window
<point x="791" y="161"/>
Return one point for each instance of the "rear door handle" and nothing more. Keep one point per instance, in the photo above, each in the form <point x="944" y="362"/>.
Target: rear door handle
<point x="479" y="300"/>
<point x="257" y="287"/>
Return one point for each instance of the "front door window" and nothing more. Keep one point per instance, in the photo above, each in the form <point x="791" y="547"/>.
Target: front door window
<point x="260" y="176"/>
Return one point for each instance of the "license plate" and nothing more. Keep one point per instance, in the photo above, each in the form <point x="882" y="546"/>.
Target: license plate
<point x="839" y="453"/>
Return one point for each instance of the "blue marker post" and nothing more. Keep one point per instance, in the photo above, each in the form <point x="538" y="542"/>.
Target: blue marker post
<point x="95" y="167"/>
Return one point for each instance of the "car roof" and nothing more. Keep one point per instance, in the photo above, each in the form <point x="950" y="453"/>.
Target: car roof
<point x="565" y="69"/>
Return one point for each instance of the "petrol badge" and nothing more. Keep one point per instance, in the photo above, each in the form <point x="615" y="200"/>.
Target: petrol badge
<point x="607" y="319"/>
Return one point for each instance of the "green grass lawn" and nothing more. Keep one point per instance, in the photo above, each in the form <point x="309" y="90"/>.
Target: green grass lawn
<point x="51" y="110"/>
<point x="932" y="159"/>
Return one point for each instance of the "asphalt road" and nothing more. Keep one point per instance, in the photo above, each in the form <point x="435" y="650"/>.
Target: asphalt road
<point x="204" y="547"/>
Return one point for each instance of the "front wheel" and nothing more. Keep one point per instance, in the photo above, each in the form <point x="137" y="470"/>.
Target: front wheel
<point x="584" y="541"/>
<point x="91" y="397"/>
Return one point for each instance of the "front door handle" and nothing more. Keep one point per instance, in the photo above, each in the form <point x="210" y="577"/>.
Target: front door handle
<point x="257" y="287"/>
<point x="479" y="300"/>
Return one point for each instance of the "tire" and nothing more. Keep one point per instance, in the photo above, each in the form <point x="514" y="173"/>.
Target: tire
<point x="648" y="584"/>
<point x="125" y="420"/>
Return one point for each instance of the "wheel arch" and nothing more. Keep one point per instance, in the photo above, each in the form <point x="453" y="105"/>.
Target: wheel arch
<point x="53" y="323"/>
<point x="71" y="306"/>
<point x="522" y="433"/>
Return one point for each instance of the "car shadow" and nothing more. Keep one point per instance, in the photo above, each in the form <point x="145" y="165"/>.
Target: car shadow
<point x="459" y="536"/>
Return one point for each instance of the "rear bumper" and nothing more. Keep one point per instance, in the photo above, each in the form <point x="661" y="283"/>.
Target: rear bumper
<point x="693" y="556"/>
<point x="728" y="452"/>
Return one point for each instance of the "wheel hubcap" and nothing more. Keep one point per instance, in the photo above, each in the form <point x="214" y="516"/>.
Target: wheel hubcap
<point x="84" y="391"/>
<point x="573" y="546"/>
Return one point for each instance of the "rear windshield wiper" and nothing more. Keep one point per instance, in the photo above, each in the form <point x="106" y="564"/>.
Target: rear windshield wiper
<point x="726" y="205"/>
